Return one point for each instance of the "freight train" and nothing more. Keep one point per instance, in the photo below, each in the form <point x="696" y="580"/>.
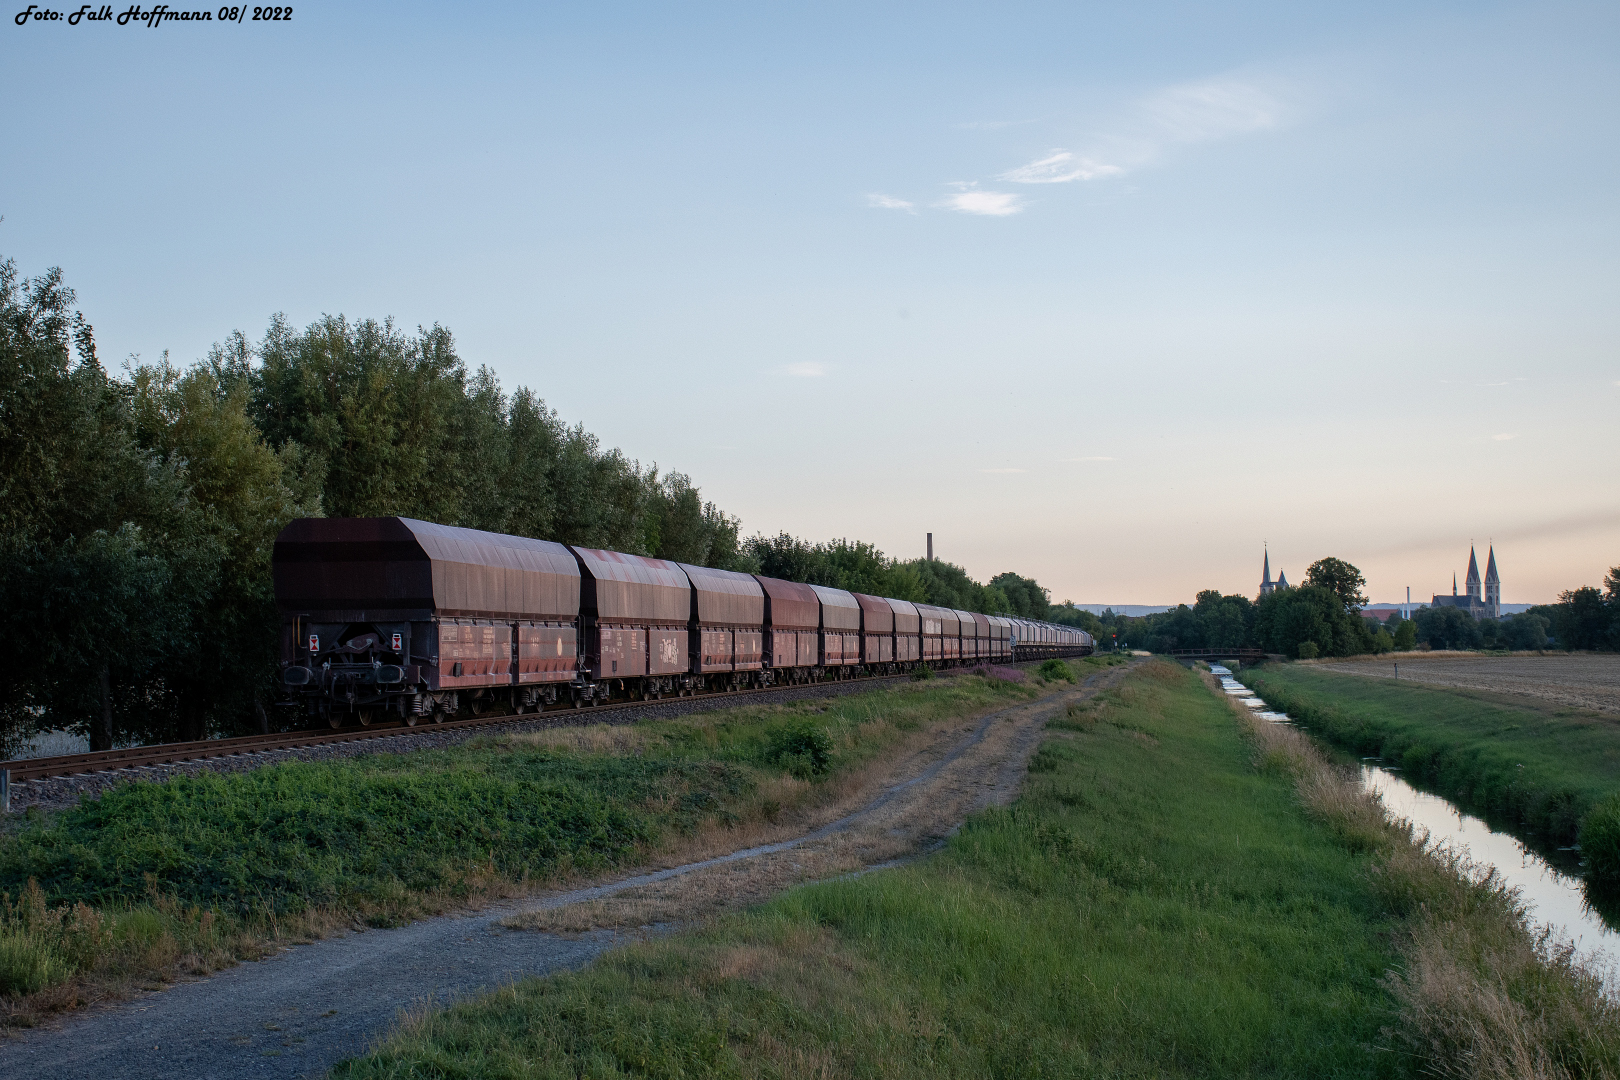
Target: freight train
<point x="394" y="617"/>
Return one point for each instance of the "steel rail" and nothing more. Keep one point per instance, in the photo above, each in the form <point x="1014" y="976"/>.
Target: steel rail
<point x="135" y="757"/>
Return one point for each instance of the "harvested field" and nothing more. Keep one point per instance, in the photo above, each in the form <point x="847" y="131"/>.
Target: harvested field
<point x="1580" y="681"/>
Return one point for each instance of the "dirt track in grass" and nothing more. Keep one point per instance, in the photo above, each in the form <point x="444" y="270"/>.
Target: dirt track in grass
<point x="310" y="1006"/>
<point x="1580" y="680"/>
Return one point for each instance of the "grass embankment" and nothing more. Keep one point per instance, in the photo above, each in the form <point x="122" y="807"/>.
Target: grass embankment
<point x="152" y="880"/>
<point x="1540" y="768"/>
<point x="1152" y="905"/>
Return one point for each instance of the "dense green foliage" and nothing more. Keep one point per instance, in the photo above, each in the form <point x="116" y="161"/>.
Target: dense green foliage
<point x="1536" y="768"/>
<point x="1587" y="618"/>
<point x="1322" y="617"/>
<point x="137" y="514"/>
<point x="1212" y="622"/>
<point x="1455" y="628"/>
<point x="288" y="836"/>
<point x="1151" y="906"/>
<point x="860" y="567"/>
<point x="1600" y="843"/>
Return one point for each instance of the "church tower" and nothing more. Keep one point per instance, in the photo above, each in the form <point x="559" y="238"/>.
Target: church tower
<point x="1493" y="587"/>
<point x="1265" y="576"/>
<point x="1471" y="585"/>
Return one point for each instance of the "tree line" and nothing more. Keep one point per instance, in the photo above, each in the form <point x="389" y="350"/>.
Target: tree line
<point x="138" y="510"/>
<point x="860" y="567"/>
<point x="1323" y="617"/>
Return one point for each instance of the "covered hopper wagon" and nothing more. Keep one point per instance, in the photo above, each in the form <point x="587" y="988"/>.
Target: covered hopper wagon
<point x="396" y="617"/>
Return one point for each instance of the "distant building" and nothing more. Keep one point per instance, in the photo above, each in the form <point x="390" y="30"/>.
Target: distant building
<point x="1267" y="586"/>
<point x="1481" y="606"/>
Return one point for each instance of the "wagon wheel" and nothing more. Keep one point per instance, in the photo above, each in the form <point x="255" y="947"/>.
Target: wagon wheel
<point x="365" y="716"/>
<point x="334" y="720"/>
<point x="411" y="719"/>
<point x="480" y="706"/>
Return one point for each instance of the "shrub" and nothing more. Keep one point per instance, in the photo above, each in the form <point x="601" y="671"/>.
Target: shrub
<point x="922" y="672"/>
<point x="996" y="672"/>
<point x="1308" y="650"/>
<point x="1055" y="669"/>
<point x="1600" y="843"/>
<point x="803" y="750"/>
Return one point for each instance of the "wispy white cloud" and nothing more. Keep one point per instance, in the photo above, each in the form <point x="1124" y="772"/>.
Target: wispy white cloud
<point x="1184" y="114"/>
<point x="1505" y="382"/>
<point x="1142" y="133"/>
<point x="1505" y="438"/>
<point x="807" y="371"/>
<point x="889" y="202"/>
<point x="1211" y="109"/>
<point x="1003" y="470"/>
<point x="1095" y="457"/>
<point x="986" y="203"/>
<point x="1060" y="168"/>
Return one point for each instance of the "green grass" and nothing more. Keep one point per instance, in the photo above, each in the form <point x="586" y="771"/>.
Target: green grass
<point x="1535" y="768"/>
<point x="211" y="864"/>
<point x="1153" y="905"/>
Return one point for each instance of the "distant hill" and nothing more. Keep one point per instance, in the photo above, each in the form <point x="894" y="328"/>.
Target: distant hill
<point x="1384" y="611"/>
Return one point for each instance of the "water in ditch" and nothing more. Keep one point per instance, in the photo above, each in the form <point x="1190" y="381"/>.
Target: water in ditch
<point x="1556" y="897"/>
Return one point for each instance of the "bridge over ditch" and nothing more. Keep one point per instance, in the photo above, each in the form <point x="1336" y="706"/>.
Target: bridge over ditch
<point x="1250" y="656"/>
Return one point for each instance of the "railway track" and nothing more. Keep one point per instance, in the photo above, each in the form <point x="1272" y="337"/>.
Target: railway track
<point x="136" y="757"/>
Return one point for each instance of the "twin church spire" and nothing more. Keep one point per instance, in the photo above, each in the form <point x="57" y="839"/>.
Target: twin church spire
<point x="1267" y="586"/>
<point x="1482" y="598"/>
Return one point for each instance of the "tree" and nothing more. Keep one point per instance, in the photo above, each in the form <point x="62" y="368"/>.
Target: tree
<point x="1524" y="631"/>
<point x="1310" y="613"/>
<point x="1404" y="633"/>
<point x="246" y="493"/>
<point x="1611" y="600"/>
<point x="1025" y="596"/>
<point x="1447" y="628"/>
<point x="1227" y="621"/>
<point x="100" y="540"/>
<point x="1582" y="619"/>
<point x="1344" y="580"/>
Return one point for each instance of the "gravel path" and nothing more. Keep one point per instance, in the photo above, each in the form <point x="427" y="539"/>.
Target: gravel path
<point x="303" y="1010"/>
<point x="56" y="792"/>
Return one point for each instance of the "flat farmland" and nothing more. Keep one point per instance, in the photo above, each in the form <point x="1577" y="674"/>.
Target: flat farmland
<point x="1580" y="681"/>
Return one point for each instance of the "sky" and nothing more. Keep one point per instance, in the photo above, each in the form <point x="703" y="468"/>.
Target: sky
<point x="1110" y="295"/>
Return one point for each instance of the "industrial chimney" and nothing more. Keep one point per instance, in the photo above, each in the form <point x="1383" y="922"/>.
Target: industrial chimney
<point x="930" y="547"/>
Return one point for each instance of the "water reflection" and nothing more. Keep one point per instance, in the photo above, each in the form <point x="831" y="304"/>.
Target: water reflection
<point x="1556" y="898"/>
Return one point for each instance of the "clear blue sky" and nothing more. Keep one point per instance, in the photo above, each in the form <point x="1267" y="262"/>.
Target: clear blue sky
<point x="1106" y="294"/>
